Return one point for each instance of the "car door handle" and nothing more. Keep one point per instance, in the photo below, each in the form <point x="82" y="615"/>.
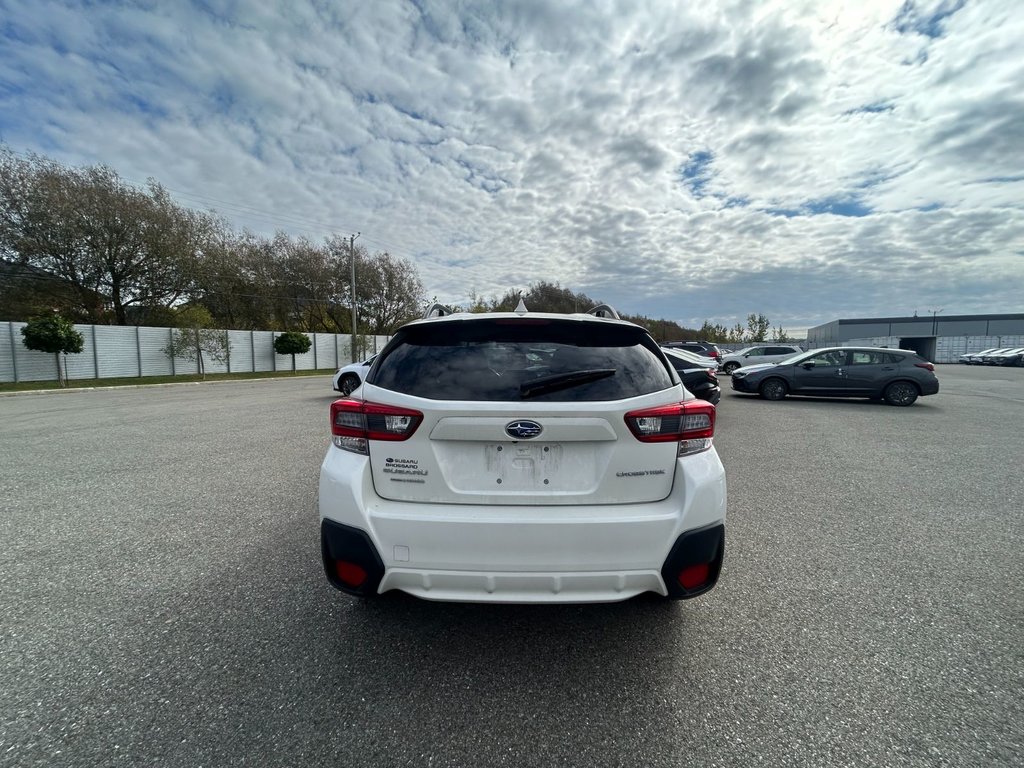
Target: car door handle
<point x="888" y="368"/>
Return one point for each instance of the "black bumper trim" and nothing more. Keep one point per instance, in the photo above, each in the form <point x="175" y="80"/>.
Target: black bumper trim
<point x="343" y="542"/>
<point x="701" y="545"/>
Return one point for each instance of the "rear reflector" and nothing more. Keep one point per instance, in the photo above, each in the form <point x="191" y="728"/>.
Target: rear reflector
<point x="694" y="576"/>
<point x="350" y="573"/>
<point x="691" y="423"/>
<point x="354" y="422"/>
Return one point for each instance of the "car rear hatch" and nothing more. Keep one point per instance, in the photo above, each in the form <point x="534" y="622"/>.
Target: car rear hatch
<point x="463" y="455"/>
<point x="501" y="423"/>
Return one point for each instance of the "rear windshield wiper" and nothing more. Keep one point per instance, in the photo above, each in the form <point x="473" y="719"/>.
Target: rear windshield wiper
<point x="559" y="381"/>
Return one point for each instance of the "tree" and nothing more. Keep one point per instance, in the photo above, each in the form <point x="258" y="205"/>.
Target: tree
<point x="53" y="334"/>
<point x="390" y="293"/>
<point x="757" y="327"/>
<point x="115" y="245"/>
<point x="195" y="342"/>
<point x="292" y="343"/>
<point x="713" y="332"/>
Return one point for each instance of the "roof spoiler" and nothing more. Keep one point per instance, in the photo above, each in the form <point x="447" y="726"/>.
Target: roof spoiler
<point x="604" y="310"/>
<point x="436" y="310"/>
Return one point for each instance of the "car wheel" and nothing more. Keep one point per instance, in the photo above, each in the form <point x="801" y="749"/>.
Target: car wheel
<point x="900" y="393"/>
<point x="774" y="389"/>
<point x="348" y="384"/>
<point x="730" y="367"/>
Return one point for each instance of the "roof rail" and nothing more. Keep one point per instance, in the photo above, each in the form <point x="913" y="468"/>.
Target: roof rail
<point x="436" y="310"/>
<point x="604" y="310"/>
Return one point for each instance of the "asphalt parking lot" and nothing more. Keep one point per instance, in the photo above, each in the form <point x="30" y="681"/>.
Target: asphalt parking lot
<point x="163" y="602"/>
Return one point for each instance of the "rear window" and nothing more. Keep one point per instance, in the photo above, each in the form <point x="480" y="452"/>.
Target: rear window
<point x="530" y="359"/>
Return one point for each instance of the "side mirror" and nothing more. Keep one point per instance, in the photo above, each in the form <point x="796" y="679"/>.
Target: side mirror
<point x="808" y="365"/>
<point x="746" y="354"/>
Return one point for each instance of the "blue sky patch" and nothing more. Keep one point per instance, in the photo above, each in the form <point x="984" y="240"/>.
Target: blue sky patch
<point x="909" y="18"/>
<point x="871" y="109"/>
<point x="788" y="213"/>
<point x="837" y="206"/>
<point x="696" y="172"/>
<point x="1002" y="179"/>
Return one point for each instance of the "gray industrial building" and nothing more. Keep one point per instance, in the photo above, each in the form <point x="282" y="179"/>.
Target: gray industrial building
<point x="941" y="339"/>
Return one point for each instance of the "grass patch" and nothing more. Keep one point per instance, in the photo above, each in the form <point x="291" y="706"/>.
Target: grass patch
<point x="135" y="381"/>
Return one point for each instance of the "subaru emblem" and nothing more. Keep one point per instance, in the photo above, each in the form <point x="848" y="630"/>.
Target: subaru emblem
<point x="524" y="429"/>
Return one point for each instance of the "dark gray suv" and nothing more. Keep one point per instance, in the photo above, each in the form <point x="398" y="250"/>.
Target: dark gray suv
<point x="898" y="376"/>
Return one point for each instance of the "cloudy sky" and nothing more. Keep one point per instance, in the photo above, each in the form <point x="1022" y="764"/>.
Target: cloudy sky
<point x="688" y="160"/>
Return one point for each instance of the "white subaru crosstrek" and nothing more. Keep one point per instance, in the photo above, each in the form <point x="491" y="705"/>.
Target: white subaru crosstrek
<point x="522" y="457"/>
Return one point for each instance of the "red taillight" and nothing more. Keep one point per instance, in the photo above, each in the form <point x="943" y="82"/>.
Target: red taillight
<point x="714" y="355"/>
<point x="926" y="366"/>
<point x="690" y="423"/>
<point x="354" y="422"/>
<point x="694" y="576"/>
<point x="351" y="574"/>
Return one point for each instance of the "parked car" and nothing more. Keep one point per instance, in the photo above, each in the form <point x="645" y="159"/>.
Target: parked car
<point x="765" y="353"/>
<point x="705" y="348"/>
<point x="522" y="457"/>
<point x="978" y="358"/>
<point x="968" y="358"/>
<point x="348" y="378"/>
<point x="897" y="376"/>
<point x="1004" y="357"/>
<point x="698" y="374"/>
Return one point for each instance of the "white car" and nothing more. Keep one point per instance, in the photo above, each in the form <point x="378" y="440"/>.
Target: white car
<point x="348" y="378"/>
<point x="1010" y="356"/>
<point x="978" y="358"/>
<point x="968" y="359"/>
<point x="766" y="353"/>
<point x="507" y="457"/>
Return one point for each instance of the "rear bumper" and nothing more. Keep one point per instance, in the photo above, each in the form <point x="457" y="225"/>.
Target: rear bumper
<point x="342" y="543"/>
<point x="480" y="553"/>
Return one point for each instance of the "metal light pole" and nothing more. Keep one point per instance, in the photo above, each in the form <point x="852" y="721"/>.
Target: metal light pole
<point x="352" y="258"/>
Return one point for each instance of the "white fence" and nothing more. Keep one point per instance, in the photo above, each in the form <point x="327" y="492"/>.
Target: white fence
<point x="119" y="351"/>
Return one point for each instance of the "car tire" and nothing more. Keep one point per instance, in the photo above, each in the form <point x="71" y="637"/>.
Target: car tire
<point x="773" y="389"/>
<point x="900" y="393"/>
<point x="730" y="367"/>
<point x="348" y="384"/>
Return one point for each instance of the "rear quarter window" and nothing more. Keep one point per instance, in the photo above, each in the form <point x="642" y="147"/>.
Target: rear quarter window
<point x="509" y="360"/>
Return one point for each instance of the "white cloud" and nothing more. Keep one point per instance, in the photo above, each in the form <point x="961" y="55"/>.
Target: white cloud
<point x="501" y="144"/>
